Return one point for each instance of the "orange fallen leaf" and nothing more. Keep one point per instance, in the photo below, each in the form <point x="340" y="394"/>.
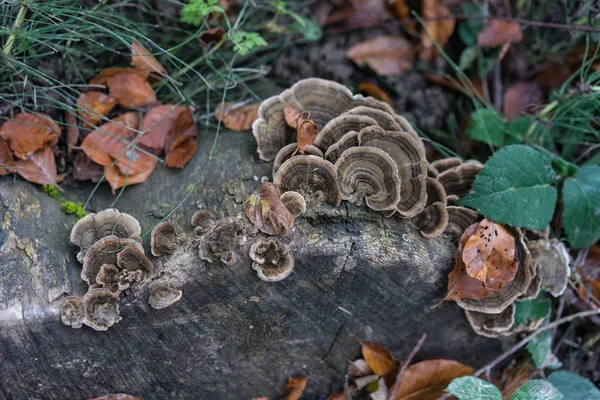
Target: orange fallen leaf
<point x="142" y="58"/>
<point x="210" y="37"/>
<point x="520" y="97"/>
<point x="28" y="132"/>
<point x="307" y="132"/>
<point x="131" y="90"/>
<point x="379" y="358"/>
<point x="40" y="167"/>
<point x="440" y="31"/>
<point x="371" y="89"/>
<point x="7" y="162"/>
<point x="296" y="386"/>
<point x="92" y="106"/>
<point x="460" y="284"/>
<point x="72" y="130"/>
<point x="489" y="255"/>
<point x="237" y="118"/>
<point x="387" y="55"/>
<point x="158" y="124"/>
<point x="400" y="10"/>
<point x="291" y="115"/>
<point x="117" y="179"/>
<point x="428" y="380"/>
<point x="181" y="152"/>
<point x="498" y="32"/>
<point x="102" y="77"/>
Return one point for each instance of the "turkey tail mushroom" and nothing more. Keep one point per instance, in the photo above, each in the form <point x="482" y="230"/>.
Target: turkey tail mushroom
<point x="162" y="295"/>
<point x="101" y="309"/>
<point x="202" y="221"/>
<point x="72" y="312"/>
<point x="164" y="239"/>
<point x="335" y="150"/>
<point x="290" y="151"/>
<point x="272" y="260"/>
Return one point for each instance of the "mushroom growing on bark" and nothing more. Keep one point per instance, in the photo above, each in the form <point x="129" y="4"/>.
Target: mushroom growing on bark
<point x="290" y="151"/>
<point x="273" y="260"/>
<point x="433" y="219"/>
<point x="203" y="221"/>
<point x="164" y="239"/>
<point x="340" y="126"/>
<point x="335" y="150"/>
<point x="458" y="180"/>
<point x="105" y="251"/>
<point x="162" y="295"/>
<point x="101" y="309"/>
<point x="371" y="174"/>
<point x="134" y="265"/>
<point x="294" y="202"/>
<point x="492" y="325"/>
<point x="108" y="277"/>
<point x="219" y="242"/>
<point x="552" y="261"/>
<point x="267" y="212"/>
<point x="72" y="312"/>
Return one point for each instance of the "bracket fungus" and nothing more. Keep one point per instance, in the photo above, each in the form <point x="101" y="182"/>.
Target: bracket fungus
<point x="72" y="312"/>
<point x="219" y="242"/>
<point x="272" y="260"/>
<point x="101" y="309"/>
<point x="445" y="164"/>
<point x="162" y="295"/>
<point x="108" y="277"/>
<point x="371" y="174"/>
<point x="459" y="219"/>
<point x="492" y="325"/>
<point x="552" y="261"/>
<point x="294" y="202"/>
<point x="348" y="140"/>
<point x="164" y="239"/>
<point x="202" y="221"/>
<point x="383" y="119"/>
<point x="312" y="176"/>
<point x="458" y="180"/>
<point x="267" y="212"/>
<point x="339" y="126"/>
<point x="105" y="251"/>
<point x="290" y="151"/>
<point x="132" y="259"/>
<point x="93" y="227"/>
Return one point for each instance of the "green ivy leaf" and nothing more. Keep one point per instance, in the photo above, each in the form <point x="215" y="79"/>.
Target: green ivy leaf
<point x="581" y="215"/>
<point x="514" y="187"/>
<point x="531" y="310"/>
<point x="573" y="386"/>
<point x="487" y="126"/>
<point x="537" y="389"/>
<point x="471" y="388"/>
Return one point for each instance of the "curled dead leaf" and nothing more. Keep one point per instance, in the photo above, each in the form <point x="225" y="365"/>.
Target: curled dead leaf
<point x="129" y="86"/>
<point x="102" y="77"/>
<point x="521" y="97"/>
<point x="498" y="32"/>
<point x="118" y="179"/>
<point x="296" y="386"/>
<point x="7" y="162"/>
<point x="142" y="58"/>
<point x="307" y="132"/>
<point x="387" y="55"/>
<point x="40" y="167"/>
<point x="72" y="130"/>
<point x="28" y="132"/>
<point x="400" y="10"/>
<point x="92" y="106"/>
<point x="371" y="89"/>
<point x="439" y="31"/>
<point x="428" y="380"/>
<point x="379" y="358"/>
<point x="181" y="152"/>
<point x="158" y="124"/>
<point x="237" y="118"/>
<point x="267" y="212"/>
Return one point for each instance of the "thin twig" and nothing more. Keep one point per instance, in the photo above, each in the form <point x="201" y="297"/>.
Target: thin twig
<point x="408" y="360"/>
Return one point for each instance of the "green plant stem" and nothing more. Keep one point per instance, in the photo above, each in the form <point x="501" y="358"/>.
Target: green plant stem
<point x="198" y="60"/>
<point x="16" y="25"/>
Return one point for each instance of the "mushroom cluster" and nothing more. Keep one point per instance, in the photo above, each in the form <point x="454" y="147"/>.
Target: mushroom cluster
<point x="364" y="153"/>
<point x="542" y="264"/>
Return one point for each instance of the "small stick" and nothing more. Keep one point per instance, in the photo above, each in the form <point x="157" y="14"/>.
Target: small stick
<point x="412" y="353"/>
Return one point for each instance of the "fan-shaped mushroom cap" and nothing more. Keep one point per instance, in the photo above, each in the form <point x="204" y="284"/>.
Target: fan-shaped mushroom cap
<point x="534" y="286"/>
<point x="445" y="164"/>
<point x="132" y="259"/>
<point x="458" y="181"/>
<point x="313" y="177"/>
<point x="101" y="309"/>
<point x="334" y="151"/>
<point x="289" y="151"/>
<point x="162" y="295"/>
<point x="409" y="155"/>
<point x="432" y="172"/>
<point x="93" y="227"/>
<point x="108" y="277"/>
<point x="339" y="126"/>
<point x="267" y="212"/>
<point x="459" y="219"/>
<point x="164" y="239"/>
<point x="203" y="221"/>
<point x="385" y="120"/>
<point x="219" y="242"/>
<point x="273" y="261"/>
<point x="270" y="129"/>
<point x="105" y="252"/>
<point x="496" y="302"/>
<point x="72" y="312"/>
<point x="435" y="191"/>
<point x="492" y="325"/>
<point x="369" y="173"/>
<point x="294" y="202"/>
<point x="552" y="262"/>
<point x="432" y="221"/>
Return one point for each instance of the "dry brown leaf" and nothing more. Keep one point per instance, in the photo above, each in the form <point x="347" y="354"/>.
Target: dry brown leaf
<point x="111" y="141"/>
<point x="210" y="37"/>
<point x="291" y="115"/>
<point x="106" y="73"/>
<point x="400" y="10"/>
<point x="427" y="380"/>
<point x="267" y="212"/>
<point x="475" y="88"/>
<point x="379" y="358"/>
<point x="387" y="55"/>
<point x="118" y="179"/>
<point x="460" y="284"/>
<point x="371" y="89"/>
<point x="361" y="14"/>
<point x="40" y="167"/>
<point x="85" y="169"/>
<point x="158" y="124"/>
<point x="307" y="132"/>
<point x="181" y="152"/>
<point x="521" y="97"/>
<point x="7" y="162"/>
<point x="142" y="58"/>
<point x="489" y="255"/>
<point x="498" y="32"/>
<point x="28" y="132"/>
<point x="296" y="386"/>
<point x="92" y="106"/>
<point x="131" y="90"/>
<point x="440" y="31"/>
<point x="554" y="75"/>
<point x="72" y="131"/>
<point x="237" y="118"/>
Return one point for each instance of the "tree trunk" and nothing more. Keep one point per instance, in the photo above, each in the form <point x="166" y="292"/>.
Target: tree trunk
<point x="358" y="276"/>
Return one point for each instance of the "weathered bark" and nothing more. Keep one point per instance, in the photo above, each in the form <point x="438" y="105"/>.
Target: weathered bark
<point x="356" y="277"/>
